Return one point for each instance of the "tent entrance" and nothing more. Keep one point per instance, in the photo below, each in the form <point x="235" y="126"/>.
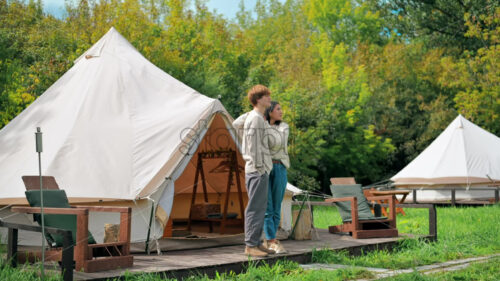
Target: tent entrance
<point x="212" y="213"/>
<point x="212" y="182"/>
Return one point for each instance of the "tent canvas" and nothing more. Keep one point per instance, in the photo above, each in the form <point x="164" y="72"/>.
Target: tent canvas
<point x="118" y="131"/>
<point x="462" y="156"/>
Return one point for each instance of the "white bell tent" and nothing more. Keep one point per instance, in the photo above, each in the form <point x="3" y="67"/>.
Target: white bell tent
<point x="118" y="131"/>
<point x="463" y="156"/>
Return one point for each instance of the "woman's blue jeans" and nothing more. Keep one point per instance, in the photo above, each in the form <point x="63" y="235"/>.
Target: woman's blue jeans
<point x="276" y="191"/>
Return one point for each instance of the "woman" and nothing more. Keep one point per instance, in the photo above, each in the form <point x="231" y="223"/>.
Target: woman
<point x="278" y="142"/>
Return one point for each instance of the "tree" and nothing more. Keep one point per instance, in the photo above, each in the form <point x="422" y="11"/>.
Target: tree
<point x="439" y="22"/>
<point x="476" y="76"/>
<point x="30" y="55"/>
<point x="345" y="21"/>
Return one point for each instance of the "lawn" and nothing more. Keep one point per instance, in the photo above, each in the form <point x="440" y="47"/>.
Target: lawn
<point x="479" y="271"/>
<point x="462" y="233"/>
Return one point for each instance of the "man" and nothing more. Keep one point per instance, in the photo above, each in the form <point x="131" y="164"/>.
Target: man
<point x="257" y="169"/>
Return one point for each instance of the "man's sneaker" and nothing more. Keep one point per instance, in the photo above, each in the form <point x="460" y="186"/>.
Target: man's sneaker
<point x="277" y="247"/>
<point x="263" y="247"/>
<point x="254" y="252"/>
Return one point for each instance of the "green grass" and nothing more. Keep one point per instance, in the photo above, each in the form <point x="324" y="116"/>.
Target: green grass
<point x="290" y="271"/>
<point x="25" y="272"/>
<point x="416" y="221"/>
<point x="479" y="271"/>
<point x="462" y="232"/>
<point x="282" y="270"/>
<point x="22" y="272"/>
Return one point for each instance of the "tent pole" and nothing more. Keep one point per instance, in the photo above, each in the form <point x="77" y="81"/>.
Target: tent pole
<point x="149" y="228"/>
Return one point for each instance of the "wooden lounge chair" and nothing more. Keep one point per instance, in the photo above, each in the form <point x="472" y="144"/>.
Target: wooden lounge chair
<point x="88" y="255"/>
<point x="342" y="181"/>
<point x="357" y="217"/>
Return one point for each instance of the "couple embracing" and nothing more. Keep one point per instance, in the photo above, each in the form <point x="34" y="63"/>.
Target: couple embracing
<point x="264" y="149"/>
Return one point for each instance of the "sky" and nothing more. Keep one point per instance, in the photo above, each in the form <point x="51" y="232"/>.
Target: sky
<point x="228" y="8"/>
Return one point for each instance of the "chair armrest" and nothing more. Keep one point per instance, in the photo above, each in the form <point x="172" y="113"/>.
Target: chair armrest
<point x="383" y="197"/>
<point x="333" y="200"/>
<point x="57" y="211"/>
<point x="105" y="209"/>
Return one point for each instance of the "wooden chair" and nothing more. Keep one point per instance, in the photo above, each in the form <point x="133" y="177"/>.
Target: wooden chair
<point x="342" y="181"/>
<point x="357" y="216"/>
<point x="88" y="255"/>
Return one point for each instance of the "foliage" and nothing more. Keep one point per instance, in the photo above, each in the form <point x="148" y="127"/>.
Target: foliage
<point x="440" y="22"/>
<point x="345" y="21"/>
<point x="365" y="85"/>
<point x="476" y="76"/>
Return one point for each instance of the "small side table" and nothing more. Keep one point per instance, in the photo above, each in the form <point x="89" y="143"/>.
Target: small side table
<point x="393" y="193"/>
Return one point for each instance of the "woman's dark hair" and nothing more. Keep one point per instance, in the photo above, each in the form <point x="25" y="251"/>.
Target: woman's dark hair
<point x="269" y="110"/>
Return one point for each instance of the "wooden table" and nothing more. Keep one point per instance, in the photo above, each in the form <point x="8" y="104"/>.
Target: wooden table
<point x="393" y="193"/>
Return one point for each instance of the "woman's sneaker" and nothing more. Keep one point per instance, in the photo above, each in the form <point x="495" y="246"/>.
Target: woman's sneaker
<point x="277" y="247"/>
<point x="265" y="248"/>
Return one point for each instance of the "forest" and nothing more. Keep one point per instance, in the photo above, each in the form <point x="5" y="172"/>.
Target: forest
<point x="365" y="85"/>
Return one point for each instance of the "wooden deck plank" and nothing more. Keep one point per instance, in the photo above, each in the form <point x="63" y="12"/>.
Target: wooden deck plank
<point x="228" y="258"/>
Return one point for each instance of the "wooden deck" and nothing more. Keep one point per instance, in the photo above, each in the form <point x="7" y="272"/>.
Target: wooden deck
<point x="179" y="264"/>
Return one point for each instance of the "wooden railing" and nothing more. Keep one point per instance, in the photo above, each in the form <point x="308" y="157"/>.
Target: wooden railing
<point x="453" y="200"/>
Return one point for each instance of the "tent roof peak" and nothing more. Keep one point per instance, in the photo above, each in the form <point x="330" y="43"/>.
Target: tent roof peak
<point x="112" y="42"/>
